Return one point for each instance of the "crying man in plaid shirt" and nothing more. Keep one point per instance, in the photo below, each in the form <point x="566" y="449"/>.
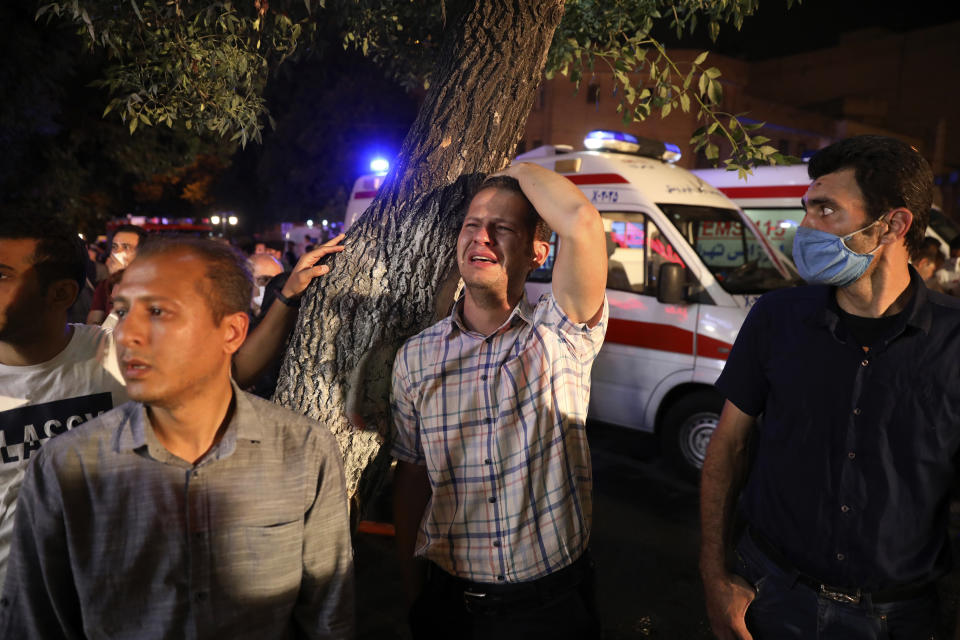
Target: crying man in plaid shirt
<point x="492" y="497"/>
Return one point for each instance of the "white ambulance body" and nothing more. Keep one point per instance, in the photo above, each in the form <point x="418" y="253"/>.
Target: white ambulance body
<point x="770" y="196"/>
<point x="685" y="265"/>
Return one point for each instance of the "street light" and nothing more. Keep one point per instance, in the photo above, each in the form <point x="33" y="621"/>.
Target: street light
<point x="223" y="221"/>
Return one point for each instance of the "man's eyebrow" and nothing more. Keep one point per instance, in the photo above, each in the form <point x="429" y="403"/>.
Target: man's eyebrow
<point x="6" y="266"/>
<point x="148" y="299"/>
<point x="817" y="201"/>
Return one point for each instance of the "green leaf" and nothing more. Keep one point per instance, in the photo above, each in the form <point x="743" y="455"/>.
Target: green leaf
<point x="715" y="92"/>
<point x="685" y="102"/>
<point x="712" y="72"/>
<point x="700" y="58"/>
<point x="665" y="111"/>
<point x="133" y="125"/>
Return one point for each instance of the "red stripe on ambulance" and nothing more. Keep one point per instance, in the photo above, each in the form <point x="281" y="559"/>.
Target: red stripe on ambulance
<point x="664" y="337"/>
<point x="597" y="178"/>
<point x="781" y="191"/>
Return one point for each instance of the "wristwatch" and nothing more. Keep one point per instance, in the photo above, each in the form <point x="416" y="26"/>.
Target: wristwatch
<point x="293" y="303"/>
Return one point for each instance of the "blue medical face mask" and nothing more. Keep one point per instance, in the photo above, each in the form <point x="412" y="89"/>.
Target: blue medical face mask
<point x="823" y="258"/>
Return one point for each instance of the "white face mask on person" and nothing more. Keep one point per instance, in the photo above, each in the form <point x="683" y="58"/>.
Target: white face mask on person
<point x="823" y="258"/>
<point x="258" y="299"/>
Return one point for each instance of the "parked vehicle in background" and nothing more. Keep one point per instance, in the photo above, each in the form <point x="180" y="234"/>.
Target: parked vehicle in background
<point x="685" y="264"/>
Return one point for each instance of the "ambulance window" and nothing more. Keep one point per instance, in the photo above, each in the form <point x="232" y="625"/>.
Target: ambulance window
<point x="636" y="249"/>
<point x="660" y="252"/>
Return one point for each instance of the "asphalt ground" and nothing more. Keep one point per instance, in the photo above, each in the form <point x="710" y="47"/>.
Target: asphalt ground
<point x="645" y="541"/>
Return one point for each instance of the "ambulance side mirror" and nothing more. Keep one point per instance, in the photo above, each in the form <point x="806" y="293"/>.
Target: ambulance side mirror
<point x="670" y="284"/>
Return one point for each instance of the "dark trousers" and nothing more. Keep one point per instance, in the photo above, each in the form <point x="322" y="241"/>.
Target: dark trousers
<point x="560" y="606"/>
<point x="786" y="608"/>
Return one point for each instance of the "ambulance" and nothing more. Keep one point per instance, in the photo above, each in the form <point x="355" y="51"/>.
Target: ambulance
<point x="770" y="196"/>
<point x="685" y="265"/>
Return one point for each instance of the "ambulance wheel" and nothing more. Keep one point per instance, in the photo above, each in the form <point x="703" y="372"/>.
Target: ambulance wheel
<point x="687" y="428"/>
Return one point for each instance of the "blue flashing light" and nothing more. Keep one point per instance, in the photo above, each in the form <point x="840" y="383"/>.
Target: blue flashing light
<point x="601" y="138"/>
<point x="379" y="165"/>
<point x="671" y="152"/>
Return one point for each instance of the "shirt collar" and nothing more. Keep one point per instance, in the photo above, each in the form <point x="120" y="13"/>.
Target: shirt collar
<point x="917" y="312"/>
<point x="136" y="433"/>
<point x="522" y="311"/>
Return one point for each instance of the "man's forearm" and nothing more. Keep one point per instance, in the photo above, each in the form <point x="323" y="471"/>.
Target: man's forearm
<point x="722" y="477"/>
<point x="411" y="492"/>
<point x="263" y="344"/>
<point x="720" y="484"/>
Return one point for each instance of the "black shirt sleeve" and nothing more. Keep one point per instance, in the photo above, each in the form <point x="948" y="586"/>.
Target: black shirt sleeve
<point x="743" y="380"/>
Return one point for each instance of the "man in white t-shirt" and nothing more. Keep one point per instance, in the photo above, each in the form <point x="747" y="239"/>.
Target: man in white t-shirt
<point x="53" y="375"/>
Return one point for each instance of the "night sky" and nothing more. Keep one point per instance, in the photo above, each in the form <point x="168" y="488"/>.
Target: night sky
<point x="775" y="31"/>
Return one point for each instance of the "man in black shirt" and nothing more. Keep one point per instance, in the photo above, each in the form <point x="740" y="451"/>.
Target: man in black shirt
<point x="845" y="506"/>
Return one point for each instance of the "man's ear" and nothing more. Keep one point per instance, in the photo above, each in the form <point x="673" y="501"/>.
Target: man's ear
<point x="541" y="250"/>
<point x="234" y="327"/>
<point x="63" y="293"/>
<point x="899" y="223"/>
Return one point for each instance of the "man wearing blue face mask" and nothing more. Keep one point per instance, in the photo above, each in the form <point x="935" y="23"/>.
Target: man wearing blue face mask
<point x="839" y="530"/>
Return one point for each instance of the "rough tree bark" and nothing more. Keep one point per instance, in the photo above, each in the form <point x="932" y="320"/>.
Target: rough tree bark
<point x="398" y="273"/>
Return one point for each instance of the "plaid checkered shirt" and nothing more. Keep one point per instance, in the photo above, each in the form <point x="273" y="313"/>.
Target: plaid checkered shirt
<point x="498" y="421"/>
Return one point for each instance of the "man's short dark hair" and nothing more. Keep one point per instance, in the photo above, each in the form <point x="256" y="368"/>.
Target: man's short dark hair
<point x="130" y="228"/>
<point x="539" y="229"/>
<point x="228" y="285"/>
<point x="60" y="253"/>
<point x="890" y="174"/>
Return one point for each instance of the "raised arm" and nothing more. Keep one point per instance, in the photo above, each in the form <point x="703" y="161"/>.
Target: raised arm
<point x="265" y="342"/>
<point x="580" y="266"/>
<point x="724" y="470"/>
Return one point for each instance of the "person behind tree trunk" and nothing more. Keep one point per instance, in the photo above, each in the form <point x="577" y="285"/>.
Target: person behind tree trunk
<point x="493" y="483"/>
<point x="844" y="510"/>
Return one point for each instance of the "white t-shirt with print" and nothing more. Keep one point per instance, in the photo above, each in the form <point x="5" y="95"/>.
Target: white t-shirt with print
<point x="39" y="401"/>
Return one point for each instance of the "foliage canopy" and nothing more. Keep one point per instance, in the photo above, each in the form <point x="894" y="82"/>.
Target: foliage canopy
<point x="205" y="64"/>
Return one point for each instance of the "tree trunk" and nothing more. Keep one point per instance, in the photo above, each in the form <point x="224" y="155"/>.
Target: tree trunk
<point x="398" y="273"/>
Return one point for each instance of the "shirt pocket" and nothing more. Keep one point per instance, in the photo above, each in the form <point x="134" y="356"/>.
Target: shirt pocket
<point x="253" y="564"/>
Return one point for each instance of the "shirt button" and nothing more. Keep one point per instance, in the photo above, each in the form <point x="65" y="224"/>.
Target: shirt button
<point x="851" y="455"/>
<point x="491" y="499"/>
<point x="856" y="411"/>
<point x="864" y="362"/>
<point x="201" y="596"/>
<point x="488" y="340"/>
<point x="483" y="377"/>
<point x="496" y="543"/>
<point x="488" y="461"/>
<point x="840" y="556"/>
<point x="501" y="578"/>
<point x="844" y="508"/>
